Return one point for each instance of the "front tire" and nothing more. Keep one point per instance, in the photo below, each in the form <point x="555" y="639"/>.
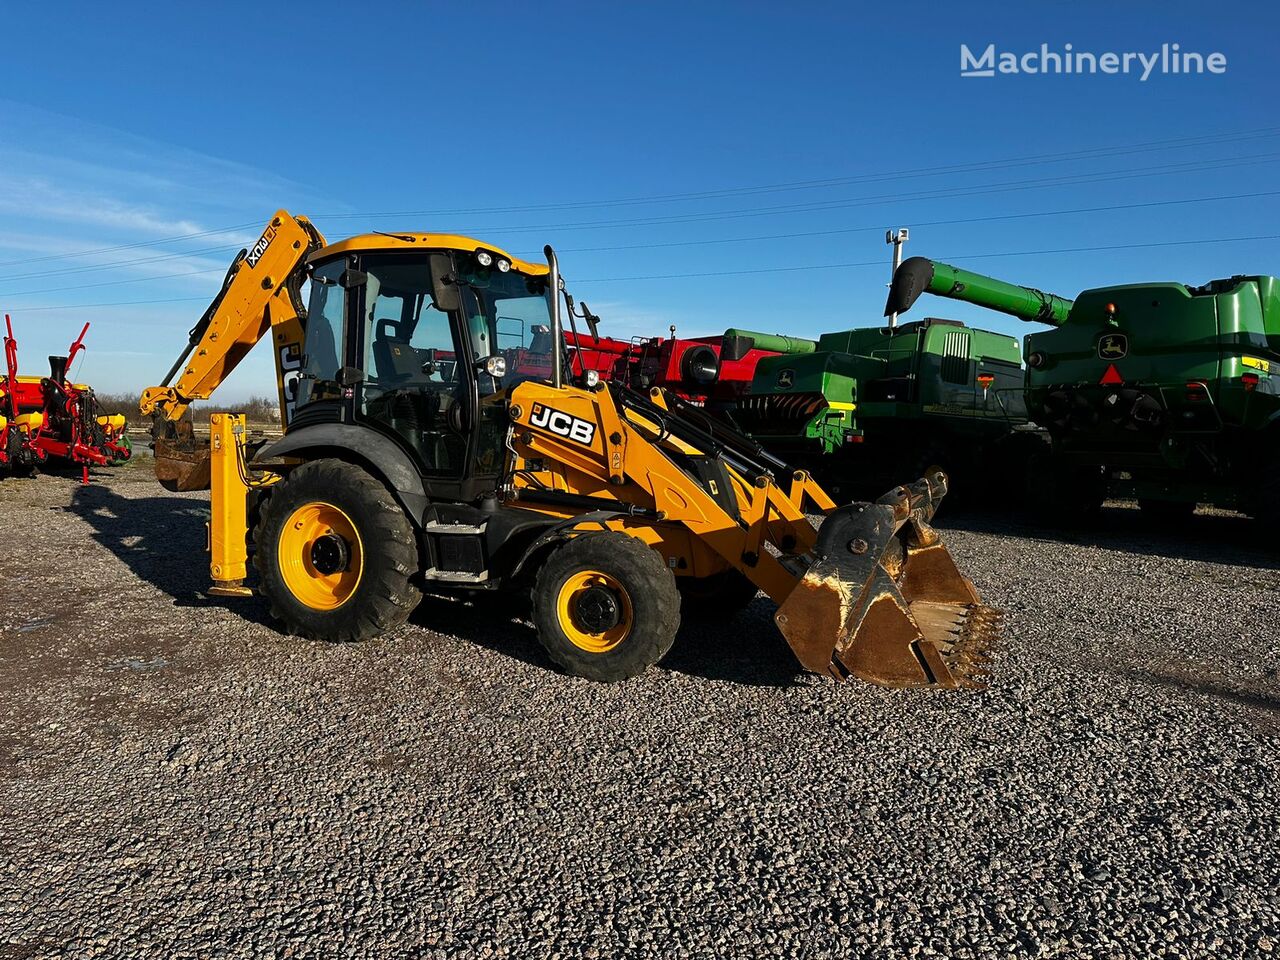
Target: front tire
<point x="605" y="606"/>
<point x="335" y="554"/>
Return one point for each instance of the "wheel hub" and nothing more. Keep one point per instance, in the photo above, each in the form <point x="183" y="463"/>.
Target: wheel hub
<point x="598" y="609"/>
<point x="330" y="555"/>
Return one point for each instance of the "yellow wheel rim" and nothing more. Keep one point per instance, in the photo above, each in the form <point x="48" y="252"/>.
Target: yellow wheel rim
<point x="580" y="597"/>
<point x="321" y="556"/>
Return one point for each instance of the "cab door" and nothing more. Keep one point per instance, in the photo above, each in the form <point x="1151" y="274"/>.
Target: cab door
<point x="418" y="378"/>
<point x="326" y="342"/>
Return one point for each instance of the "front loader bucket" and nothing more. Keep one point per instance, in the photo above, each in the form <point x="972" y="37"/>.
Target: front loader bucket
<point x="182" y="463"/>
<point x="884" y="601"/>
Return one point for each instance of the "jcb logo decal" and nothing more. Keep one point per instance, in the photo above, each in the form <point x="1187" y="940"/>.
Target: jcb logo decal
<point x="561" y="423"/>
<point x="258" y="249"/>
<point x="290" y="364"/>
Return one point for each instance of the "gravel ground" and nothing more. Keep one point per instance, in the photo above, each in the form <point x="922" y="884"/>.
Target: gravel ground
<point x="179" y="780"/>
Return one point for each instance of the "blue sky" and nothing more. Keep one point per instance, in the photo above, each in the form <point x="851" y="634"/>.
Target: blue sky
<point x="127" y="125"/>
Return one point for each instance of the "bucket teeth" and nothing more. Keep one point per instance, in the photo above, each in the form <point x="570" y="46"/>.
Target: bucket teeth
<point x="968" y="653"/>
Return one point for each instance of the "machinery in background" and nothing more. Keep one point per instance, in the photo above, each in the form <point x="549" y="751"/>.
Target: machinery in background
<point x="1163" y="392"/>
<point x="51" y="418"/>
<point x="705" y="370"/>
<point x="862" y="406"/>
<point x="414" y="458"/>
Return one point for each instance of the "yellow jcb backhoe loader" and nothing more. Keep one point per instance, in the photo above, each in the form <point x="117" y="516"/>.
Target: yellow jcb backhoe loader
<point x="418" y="456"/>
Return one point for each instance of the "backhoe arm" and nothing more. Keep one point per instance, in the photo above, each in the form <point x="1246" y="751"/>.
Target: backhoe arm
<point x="261" y="292"/>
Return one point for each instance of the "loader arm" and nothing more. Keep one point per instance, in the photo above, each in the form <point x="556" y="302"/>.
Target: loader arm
<point x="260" y="294"/>
<point x="872" y="593"/>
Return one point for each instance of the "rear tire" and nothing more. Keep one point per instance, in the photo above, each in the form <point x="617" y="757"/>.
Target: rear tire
<point x="1265" y="499"/>
<point x="605" y="606"/>
<point x="1058" y="493"/>
<point x="335" y="554"/>
<point x="1166" y="511"/>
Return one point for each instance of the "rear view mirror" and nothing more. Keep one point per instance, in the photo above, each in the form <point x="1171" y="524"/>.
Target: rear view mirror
<point x="444" y="288"/>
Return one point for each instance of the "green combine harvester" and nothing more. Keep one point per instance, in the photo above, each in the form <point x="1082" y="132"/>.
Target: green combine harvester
<point x="859" y="407"/>
<point x="1160" y="392"/>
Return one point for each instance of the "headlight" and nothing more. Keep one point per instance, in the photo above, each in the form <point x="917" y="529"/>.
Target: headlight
<point x="592" y="377"/>
<point x="484" y="258"/>
<point x="496" y="367"/>
<point x="503" y="265"/>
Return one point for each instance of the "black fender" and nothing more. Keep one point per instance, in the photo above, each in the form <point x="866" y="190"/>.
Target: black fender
<point x="561" y="530"/>
<point x="378" y="454"/>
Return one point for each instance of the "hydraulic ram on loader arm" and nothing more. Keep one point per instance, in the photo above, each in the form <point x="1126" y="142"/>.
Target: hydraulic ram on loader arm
<point x="261" y="293"/>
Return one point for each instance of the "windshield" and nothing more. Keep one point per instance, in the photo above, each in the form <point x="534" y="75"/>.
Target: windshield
<point x="508" y="314"/>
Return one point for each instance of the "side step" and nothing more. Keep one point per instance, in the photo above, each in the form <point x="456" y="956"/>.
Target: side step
<point x="455" y="576"/>
<point x="460" y="549"/>
<point x="456" y="529"/>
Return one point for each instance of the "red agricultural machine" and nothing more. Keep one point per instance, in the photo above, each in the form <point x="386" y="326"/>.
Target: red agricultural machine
<point x="698" y="368"/>
<point x="715" y="371"/>
<point x="52" y="418"/>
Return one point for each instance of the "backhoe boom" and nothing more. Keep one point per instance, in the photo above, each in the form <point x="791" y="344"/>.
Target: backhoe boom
<point x="261" y="293"/>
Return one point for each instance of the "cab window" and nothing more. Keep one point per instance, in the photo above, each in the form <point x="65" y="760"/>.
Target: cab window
<point x="326" y="334"/>
<point x="414" y="380"/>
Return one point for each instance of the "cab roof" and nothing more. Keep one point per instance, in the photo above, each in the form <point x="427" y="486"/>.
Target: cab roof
<point x="404" y="241"/>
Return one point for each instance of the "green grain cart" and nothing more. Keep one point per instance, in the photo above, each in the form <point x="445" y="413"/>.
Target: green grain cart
<point x="860" y="407"/>
<point x="1166" y="393"/>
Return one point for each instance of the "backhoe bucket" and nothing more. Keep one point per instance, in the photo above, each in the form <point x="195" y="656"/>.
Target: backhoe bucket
<point x="884" y="601"/>
<point x="182" y="463"/>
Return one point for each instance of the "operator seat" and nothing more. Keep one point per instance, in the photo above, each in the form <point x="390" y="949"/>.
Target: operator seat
<point x="395" y="360"/>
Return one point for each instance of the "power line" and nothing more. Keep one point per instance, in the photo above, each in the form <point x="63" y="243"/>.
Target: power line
<point x="118" y="303"/>
<point x="1090" y="153"/>
<point x="133" y="246"/>
<point x="114" y="283"/>
<point x="675" y="243"/>
<point x="979" y="190"/>
<point x="810" y="266"/>
<point x="975" y="167"/>
<point x="1010" y="186"/>
<point x="947" y="257"/>
<point x="221" y="248"/>
<point x="922" y="223"/>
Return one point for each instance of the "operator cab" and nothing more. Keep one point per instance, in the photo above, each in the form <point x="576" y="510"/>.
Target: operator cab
<point x="419" y="336"/>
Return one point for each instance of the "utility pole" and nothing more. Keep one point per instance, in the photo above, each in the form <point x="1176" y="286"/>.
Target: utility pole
<point x="897" y="238"/>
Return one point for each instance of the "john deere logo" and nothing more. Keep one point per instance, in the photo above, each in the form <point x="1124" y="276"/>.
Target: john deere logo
<point x="1114" y="346"/>
<point x="786" y="379"/>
